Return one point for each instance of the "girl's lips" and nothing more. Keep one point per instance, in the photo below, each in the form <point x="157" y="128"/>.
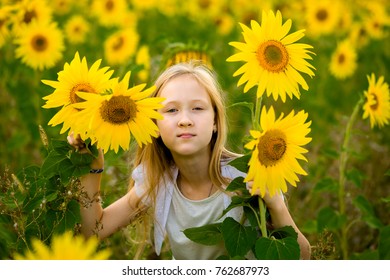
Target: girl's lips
<point x="186" y="135"/>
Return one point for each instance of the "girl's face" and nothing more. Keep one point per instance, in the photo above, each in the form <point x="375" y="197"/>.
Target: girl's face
<point x="189" y="117"/>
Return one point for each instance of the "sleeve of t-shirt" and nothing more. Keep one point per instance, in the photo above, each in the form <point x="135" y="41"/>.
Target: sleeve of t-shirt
<point x="138" y="176"/>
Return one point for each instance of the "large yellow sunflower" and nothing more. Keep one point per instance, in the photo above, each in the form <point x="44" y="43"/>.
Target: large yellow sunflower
<point x="66" y="247"/>
<point x="276" y="151"/>
<point x="110" y="119"/>
<point x="273" y="59"/>
<point x="343" y="61"/>
<point x="377" y="105"/>
<point x="75" y="77"/>
<point x="40" y="44"/>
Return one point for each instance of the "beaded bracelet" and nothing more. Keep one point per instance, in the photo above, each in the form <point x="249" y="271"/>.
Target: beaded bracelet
<point x="96" y="171"/>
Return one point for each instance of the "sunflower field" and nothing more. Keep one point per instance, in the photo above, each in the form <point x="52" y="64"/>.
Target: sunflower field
<point x="306" y="85"/>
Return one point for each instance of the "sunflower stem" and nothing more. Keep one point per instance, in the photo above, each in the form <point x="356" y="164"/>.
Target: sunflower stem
<point x="256" y="118"/>
<point x="262" y="208"/>
<point x="263" y="222"/>
<point x="344" y="155"/>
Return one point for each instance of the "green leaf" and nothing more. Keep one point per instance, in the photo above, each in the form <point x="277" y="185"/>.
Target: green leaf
<point x="386" y="199"/>
<point x="239" y="239"/>
<point x="384" y="243"/>
<point x="51" y="164"/>
<point x="368" y="212"/>
<point x="60" y="146"/>
<point x="283" y="232"/>
<point x="326" y="185"/>
<point x="69" y="217"/>
<point x="387" y="173"/>
<point x="329" y="219"/>
<point x="356" y="177"/>
<point x="237" y="184"/>
<point x="270" y="248"/>
<point x="249" y="105"/>
<point x="206" y="235"/>
<point x="241" y="163"/>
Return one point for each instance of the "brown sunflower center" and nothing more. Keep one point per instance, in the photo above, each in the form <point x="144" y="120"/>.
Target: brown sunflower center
<point x="118" y="44"/>
<point x="322" y="15"/>
<point x="272" y="146"/>
<point x="74" y="98"/>
<point x="341" y="58"/>
<point x="29" y="16"/>
<point x="374" y="107"/>
<point x="110" y="5"/>
<point x="118" y="110"/>
<point x="39" y="43"/>
<point x="272" y="56"/>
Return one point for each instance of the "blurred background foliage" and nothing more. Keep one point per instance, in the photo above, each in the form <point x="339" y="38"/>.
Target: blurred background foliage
<point x="146" y="36"/>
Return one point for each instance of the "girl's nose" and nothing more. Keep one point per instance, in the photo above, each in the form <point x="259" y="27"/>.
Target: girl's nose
<point x="185" y="121"/>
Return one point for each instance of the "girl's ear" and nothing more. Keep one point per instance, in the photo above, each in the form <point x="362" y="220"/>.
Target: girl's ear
<point x="215" y="128"/>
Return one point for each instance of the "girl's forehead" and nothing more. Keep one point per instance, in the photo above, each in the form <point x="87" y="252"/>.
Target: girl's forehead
<point x="184" y="86"/>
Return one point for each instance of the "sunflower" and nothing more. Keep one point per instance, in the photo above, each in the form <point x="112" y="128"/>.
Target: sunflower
<point x="377" y="105"/>
<point x="76" y="29"/>
<point x="109" y="12"/>
<point x="29" y="10"/>
<point x="121" y="45"/>
<point x="273" y="60"/>
<point x="143" y="59"/>
<point x="322" y="17"/>
<point x="66" y="247"/>
<point x="276" y="151"/>
<point x="343" y="61"/>
<point x="40" y="44"/>
<point x="110" y="119"/>
<point x="5" y="13"/>
<point x="75" y="77"/>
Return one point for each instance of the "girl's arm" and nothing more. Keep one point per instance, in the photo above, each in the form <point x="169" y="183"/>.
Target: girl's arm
<point x="94" y="219"/>
<point x="280" y="217"/>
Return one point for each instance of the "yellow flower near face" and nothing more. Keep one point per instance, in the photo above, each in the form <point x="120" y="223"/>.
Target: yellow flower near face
<point x="273" y="61"/>
<point x="40" y="44"/>
<point x="276" y="150"/>
<point x="75" y="77"/>
<point x="377" y="105"/>
<point x="66" y="247"/>
<point x="110" y="120"/>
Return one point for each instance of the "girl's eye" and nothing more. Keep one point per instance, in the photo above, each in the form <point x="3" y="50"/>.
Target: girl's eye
<point x="172" y="110"/>
<point x="198" y="108"/>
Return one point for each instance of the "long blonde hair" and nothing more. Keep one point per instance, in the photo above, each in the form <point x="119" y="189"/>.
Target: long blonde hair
<point x="157" y="159"/>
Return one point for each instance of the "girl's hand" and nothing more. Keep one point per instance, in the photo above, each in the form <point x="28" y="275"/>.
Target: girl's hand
<point x="80" y="147"/>
<point x="274" y="202"/>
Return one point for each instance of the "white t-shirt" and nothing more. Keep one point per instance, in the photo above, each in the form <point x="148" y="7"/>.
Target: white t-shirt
<point x="173" y="213"/>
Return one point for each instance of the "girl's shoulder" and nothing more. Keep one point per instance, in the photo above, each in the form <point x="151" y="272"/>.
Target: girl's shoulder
<point x="230" y="171"/>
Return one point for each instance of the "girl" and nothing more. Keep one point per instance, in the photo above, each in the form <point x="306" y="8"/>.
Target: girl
<point x="182" y="173"/>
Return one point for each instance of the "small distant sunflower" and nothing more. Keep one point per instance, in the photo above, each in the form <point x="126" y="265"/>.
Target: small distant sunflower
<point x="66" y="247"/>
<point x="111" y="119"/>
<point x="75" y="77"/>
<point x="273" y="59"/>
<point x="120" y="46"/>
<point x="5" y="13"/>
<point x="40" y="44"/>
<point x="377" y="105"/>
<point x="276" y="151"/>
<point x="343" y="61"/>
<point x="76" y="29"/>
<point x="109" y="13"/>
<point x="322" y="17"/>
<point x="143" y="59"/>
<point x="29" y="10"/>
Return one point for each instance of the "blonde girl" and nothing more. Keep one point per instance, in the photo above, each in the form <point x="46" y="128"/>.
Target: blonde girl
<point x="182" y="174"/>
